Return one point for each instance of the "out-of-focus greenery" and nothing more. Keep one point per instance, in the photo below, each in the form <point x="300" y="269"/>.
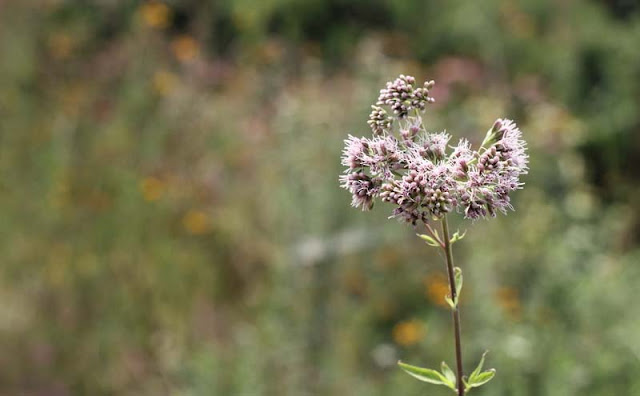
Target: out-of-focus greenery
<point x="171" y="221"/>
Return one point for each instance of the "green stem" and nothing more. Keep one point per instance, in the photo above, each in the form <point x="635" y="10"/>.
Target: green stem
<point x="455" y="311"/>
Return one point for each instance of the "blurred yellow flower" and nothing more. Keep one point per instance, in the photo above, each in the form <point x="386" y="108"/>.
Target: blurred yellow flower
<point x="408" y="332"/>
<point x="156" y="15"/>
<point x="60" y="45"/>
<point x="196" y="222"/>
<point x="164" y="82"/>
<point x="437" y="287"/>
<point x="185" y="48"/>
<point x="152" y="188"/>
<point x="509" y="300"/>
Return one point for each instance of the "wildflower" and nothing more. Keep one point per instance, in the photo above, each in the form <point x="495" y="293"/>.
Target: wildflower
<point x="363" y="188"/>
<point x="437" y="287"/>
<point x="402" y="97"/>
<point x="185" y="48"/>
<point x="434" y="145"/>
<point x="511" y="146"/>
<point x="61" y="45"/>
<point x="509" y="300"/>
<point x="354" y="152"/>
<point x="413" y="170"/>
<point x="196" y="222"/>
<point x="384" y="158"/>
<point x="379" y="121"/>
<point x="497" y="172"/>
<point x="409" y="134"/>
<point x="408" y="167"/>
<point x="408" y="332"/>
<point x="461" y="158"/>
<point x="164" y="82"/>
<point x="152" y="188"/>
<point x="156" y="15"/>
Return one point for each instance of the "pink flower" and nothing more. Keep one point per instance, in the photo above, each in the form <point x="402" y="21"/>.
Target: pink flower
<point x="416" y="174"/>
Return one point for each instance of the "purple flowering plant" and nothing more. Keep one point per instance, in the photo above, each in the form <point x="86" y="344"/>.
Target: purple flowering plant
<point x="425" y="178"/>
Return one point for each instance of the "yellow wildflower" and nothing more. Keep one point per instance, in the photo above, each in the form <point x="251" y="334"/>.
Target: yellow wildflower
<point x="185" y="48"/>
<point x="152" y="188"/>
<point x="156" y="15"/>
<point x="60" y="45"/>
<point x="437" y="287"/>
<point x="164" y="82"/>
<point x="509" y="300"/>
<point x="196" y="222"/>
<point x="408" y="332"/>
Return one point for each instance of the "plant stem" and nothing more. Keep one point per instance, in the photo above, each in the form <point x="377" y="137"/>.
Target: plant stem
<point x="454" y="311"/>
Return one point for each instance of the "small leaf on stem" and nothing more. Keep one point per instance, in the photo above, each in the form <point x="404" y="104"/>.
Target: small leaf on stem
<point x="426" y="375"/>
<point x="458" y="280"/>
<point x="446" y="370"/>
<point x="457" y="236"/>
<point x="478" y="369"/>
<point x="479" y="377"/>
<point x="483" y="378"/>
<point x="429" y="240"/>
<point x="450" y="302"/>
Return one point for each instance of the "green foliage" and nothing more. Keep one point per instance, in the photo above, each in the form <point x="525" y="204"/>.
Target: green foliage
<point x="448" y="373"/>
<point x="431" y="376"/>
<point x="458" y="281"/>
<point x="479" y="377"/>
<point x="457" y="236"/>
<point x="429" y="240"/>
<point x="453" y="303"/>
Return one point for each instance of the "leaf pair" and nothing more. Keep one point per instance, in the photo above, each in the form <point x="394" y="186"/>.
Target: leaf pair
<point x="479" y="377"/>
<point x="457" y="236"/>
<point x="446" y="378"/>
<point x="431" y="241"/>
<point x="435" y="240"/>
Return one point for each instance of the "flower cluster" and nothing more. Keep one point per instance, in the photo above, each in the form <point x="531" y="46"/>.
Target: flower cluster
<point x="413" y="170"/>
<point x="402" y="97"/>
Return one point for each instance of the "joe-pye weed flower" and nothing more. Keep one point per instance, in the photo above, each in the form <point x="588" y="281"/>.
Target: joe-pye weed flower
<point x="425" y="178"/>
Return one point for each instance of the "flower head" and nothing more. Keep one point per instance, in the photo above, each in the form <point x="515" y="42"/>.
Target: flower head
<point x="402" y="97"/>
<point x="362" y="187"/>
<point x="379" y="121"/>
<point x="413" y="171"/>
<point x="355" y="152"/>
<point x="434" y="145"/>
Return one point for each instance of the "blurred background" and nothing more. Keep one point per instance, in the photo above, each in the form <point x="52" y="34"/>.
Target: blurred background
<point x="171" y="221"/>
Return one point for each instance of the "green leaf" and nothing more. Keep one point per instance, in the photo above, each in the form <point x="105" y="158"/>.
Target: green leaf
<point x="457" y="236"/>
<point x="479" y="377"/>
<point x="478" y="369"/>
<point x="482" y="378"/>
<point x="450" y="302"/>
<point x="448" y="373"/>
<point x="430" y="241"/>
<point x="426" y="375"/>
<point x="458" y="280"/>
